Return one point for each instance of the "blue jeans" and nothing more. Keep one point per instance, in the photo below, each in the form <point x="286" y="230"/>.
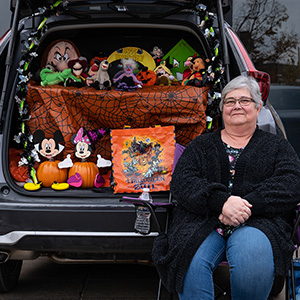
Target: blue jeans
<point x="250" y="257"/>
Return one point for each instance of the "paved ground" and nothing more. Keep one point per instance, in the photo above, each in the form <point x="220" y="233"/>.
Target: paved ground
<point x="43" y="279"/>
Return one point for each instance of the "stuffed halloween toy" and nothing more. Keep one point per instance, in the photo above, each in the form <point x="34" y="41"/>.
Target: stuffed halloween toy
<point x="164" y="75"/>
<point x="48" y="171"/>
<point x="147" y="77"/>
<point x="50" y="77"/>
<point x="58" y="54"/>
<point x="78" y="67"/>
<point x="197" y="74"/>
<point x="93" y="70"/>
<point x="126" y="79"/>
<point x="102" y="81"/>
<point x="157" y="55"/>
<point x="85" y="173"/>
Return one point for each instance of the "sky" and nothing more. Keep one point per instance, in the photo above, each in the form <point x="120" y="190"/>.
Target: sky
<point x="293" y="10"/>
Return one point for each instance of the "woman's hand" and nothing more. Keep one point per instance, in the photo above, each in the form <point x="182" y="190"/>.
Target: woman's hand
<point x="236" y="211"/>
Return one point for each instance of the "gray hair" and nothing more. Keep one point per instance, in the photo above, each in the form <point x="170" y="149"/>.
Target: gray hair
<point x="243" y="82"/>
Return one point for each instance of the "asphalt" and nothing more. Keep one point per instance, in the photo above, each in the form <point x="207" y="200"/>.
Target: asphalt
<point x="42" y="279"/>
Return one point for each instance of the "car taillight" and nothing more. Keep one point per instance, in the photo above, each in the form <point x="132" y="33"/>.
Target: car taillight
<point x="4" y="35"/>
<point x="263" y="80"/>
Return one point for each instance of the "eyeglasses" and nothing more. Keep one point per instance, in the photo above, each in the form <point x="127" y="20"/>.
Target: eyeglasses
<point x="243" y="101"/>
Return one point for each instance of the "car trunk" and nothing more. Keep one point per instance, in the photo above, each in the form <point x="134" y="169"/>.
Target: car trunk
<point x="68" y="109"/>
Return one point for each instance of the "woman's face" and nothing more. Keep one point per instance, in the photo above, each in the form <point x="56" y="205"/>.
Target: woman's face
<point x="240" y="115"/>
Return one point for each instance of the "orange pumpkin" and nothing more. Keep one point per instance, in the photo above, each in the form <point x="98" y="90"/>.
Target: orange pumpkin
<point x="148" y="78"/>
<point x="48" y="172"/>
<point x="87" y="170"/>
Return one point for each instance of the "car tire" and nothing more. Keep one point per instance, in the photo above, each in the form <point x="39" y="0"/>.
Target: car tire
<point x="9" y="275"/>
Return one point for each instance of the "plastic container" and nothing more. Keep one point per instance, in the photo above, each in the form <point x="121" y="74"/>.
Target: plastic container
<point x="143" y="215"/>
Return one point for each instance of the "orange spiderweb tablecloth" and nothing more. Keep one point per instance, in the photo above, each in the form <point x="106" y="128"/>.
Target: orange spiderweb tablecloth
<point x="68" y="109"/>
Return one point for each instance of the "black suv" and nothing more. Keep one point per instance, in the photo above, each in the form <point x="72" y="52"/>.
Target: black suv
<point x="91" y="224"/>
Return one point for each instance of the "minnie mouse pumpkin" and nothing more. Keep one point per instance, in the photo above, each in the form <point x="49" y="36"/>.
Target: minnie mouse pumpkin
<point x="84" y="173"/>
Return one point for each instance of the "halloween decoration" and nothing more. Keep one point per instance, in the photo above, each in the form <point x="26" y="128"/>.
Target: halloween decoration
<point x="93" y="70"/>
<point x="102" y="78"/>
<point x="58" y="54"/>
<point x="97" y="109"/>
<point x="18" y="172"/>
<point x="139" y="55"/>
<point x="50" y="77"/>
<point x="84" y="173"/>
<point x="48" y="148"/>
<point x="48" y="171"/>
<point x="177" y="56"/>
<point x="142" y="157"/>
<point x="87" y="170"/>
<point x="31" y="186"/>
<point x="127" y="81"/>
<point x="164" y="75"/>
<point x="75" y="180"/>
<point x="197" y="75"/>
<point x="26" y="122"/>
<point x="157" y="55"/>
<point x="78" y="67"/>
<point x="147" y="77"/>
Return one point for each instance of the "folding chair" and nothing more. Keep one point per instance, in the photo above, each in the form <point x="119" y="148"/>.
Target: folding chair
<point x="152" y="207"/>
<point x="296" y="240"/>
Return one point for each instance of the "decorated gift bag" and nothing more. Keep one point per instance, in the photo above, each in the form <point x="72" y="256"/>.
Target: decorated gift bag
<point x="142" y="158"/>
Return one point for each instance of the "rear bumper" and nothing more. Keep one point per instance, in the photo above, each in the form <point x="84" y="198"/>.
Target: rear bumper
<point x="93" y="229"/>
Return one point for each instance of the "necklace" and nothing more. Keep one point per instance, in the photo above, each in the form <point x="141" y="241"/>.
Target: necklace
<point x="233" y="156"/>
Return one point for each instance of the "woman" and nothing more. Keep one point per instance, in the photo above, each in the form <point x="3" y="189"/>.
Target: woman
<point x="236" y="189"/>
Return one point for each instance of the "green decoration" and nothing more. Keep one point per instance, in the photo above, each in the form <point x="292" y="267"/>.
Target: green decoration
<point x="177" y="56"/>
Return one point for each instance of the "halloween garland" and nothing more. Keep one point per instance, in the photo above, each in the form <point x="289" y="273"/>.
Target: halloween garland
<point x="215" y="68"/>
<point x="24" y="137"/>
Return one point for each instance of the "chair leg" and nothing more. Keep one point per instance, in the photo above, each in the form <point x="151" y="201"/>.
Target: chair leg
<point x="293" y="280"/>
<point x="159" y="291"/>
<point x="287" y="290"/>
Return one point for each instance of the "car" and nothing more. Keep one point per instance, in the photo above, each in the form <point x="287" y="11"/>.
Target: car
<point x="286" y="101"/>
<point x="90" y="224"/>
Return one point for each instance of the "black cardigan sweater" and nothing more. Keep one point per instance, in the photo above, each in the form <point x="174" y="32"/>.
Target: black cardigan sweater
<point x="267" y="174"/>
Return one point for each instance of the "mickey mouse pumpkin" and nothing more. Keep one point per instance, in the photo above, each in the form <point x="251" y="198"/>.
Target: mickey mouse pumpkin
<point x="48" y="172"/>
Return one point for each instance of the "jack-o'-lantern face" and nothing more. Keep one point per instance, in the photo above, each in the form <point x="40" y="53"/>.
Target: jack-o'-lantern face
<point x="148" y="77"/>
<point x="60" y="53"/>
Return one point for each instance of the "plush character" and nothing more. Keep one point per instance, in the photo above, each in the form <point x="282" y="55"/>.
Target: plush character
<point x="58" y="54"/>
<point x="147" y="77"/>
<point x="50" y="77"/>
<point x="102" y="81"/>
<point x="78" y="67"/>
<point x="157" y="55"/>
<point x="164" y="75"/>
<point x="126" y="79"/>
<point x="93" y="70"/>
<point x="198" y="75"/>
<point x="48" y="172"/>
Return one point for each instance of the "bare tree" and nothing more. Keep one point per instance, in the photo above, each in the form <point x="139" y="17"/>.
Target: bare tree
<point x="259" y="24"/>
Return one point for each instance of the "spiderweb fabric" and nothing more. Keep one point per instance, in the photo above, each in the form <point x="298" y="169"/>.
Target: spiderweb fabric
<point x="68" y="109"/>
